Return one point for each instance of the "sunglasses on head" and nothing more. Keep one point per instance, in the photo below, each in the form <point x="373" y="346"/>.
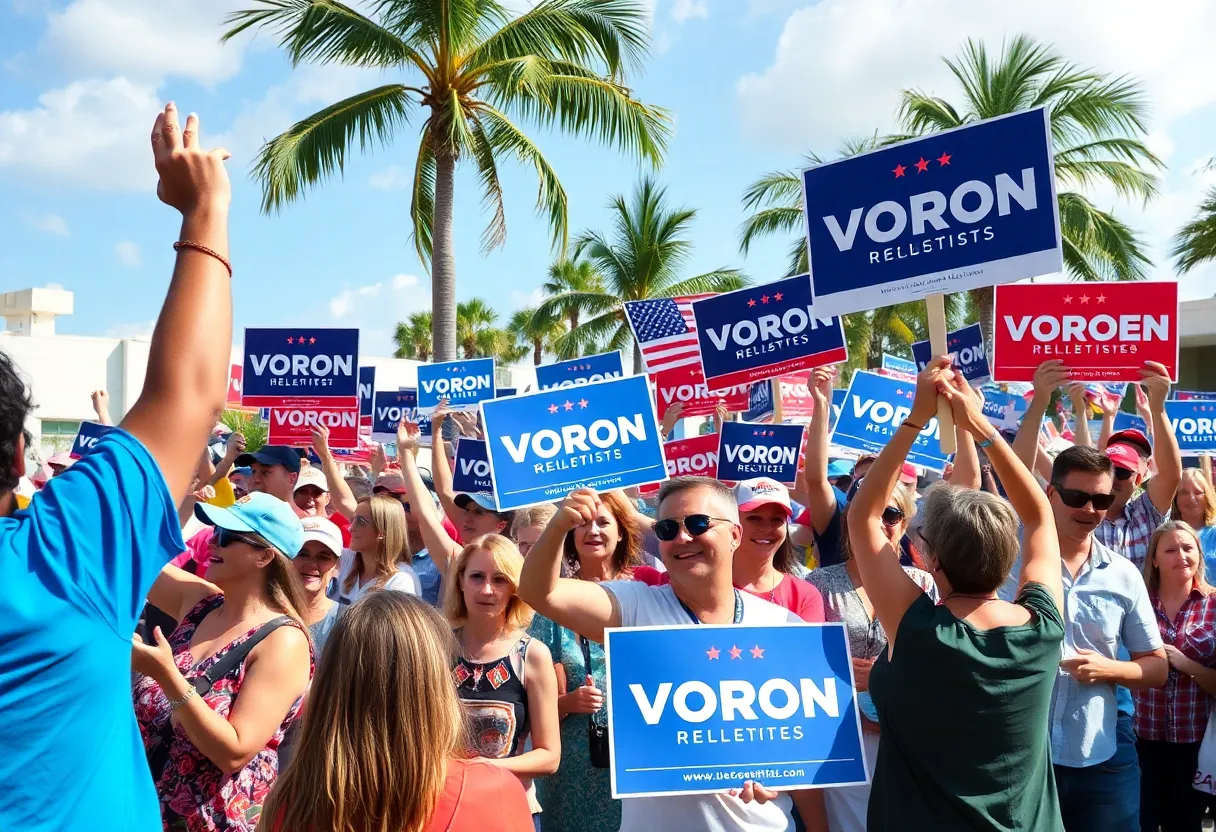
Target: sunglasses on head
<point x="696" y="524"/>
<point x="225" y="538"/>
<point x="892" y="516"/>
<point x="1075" y="498"/>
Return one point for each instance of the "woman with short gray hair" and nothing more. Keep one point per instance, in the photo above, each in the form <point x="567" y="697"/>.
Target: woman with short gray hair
<point x="963" y="691"/>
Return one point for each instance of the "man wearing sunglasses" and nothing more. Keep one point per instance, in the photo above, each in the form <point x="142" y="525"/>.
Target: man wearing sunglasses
<point x="698" y="530"/>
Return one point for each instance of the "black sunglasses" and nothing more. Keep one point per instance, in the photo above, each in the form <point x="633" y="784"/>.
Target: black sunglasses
<point x="226" y="537"/>
<point x="1074" y="498"/>
<point x="892" y="516"/>
<point x="697" y="525"/>
<point x="1122" y="474"/>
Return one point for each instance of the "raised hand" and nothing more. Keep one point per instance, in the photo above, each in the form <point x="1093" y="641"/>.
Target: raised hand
<point x="924" y="405"/>
<point x="409" y="438"/>
<point x="577" y="509"/>
<point x="822" y="379"/>
<point x="1155" y="380"/>
<point x="671" y="416"/>
<point x="235" y="446"/>
<point x="191" y="178"/>
<point x="968" y="409"/>
<point x="320" y="440"/>
<point x="1049" y="375"/>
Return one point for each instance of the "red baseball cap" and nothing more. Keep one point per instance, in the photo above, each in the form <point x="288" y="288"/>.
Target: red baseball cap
<point x="907" y="474"/>
<point x="1132" y="437"/>
<point x="1123" y="456"/>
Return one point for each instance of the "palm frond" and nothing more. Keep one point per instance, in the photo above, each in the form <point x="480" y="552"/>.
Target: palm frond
<point x="1195" y="242"/>
<point x="780" y="187"/>
<point x="495" y="233"/>
<point x="719" y="280"/>
<point x="770" y="221"/>
<point x="422" y="200"/>
<point x="1103" y="246"/>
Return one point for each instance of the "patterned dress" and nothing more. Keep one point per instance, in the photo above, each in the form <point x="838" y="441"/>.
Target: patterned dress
<point x="578" y="798"/>
<point x="194" y="794"/>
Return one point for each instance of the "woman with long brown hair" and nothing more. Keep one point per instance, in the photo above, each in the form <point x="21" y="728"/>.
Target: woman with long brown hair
<point x="216" y="698"/>
<point x="379" y="554"/>
<point x="383" y="745"/>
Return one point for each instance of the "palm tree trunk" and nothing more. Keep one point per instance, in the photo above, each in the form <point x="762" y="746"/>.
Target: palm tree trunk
<point x="538" y="352"/>
<point x="443" y="263"/>
<point x="637" y="359"/>
<point x="984" y="300"/>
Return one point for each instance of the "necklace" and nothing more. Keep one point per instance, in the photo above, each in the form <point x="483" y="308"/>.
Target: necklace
<point x="986" y="599"/>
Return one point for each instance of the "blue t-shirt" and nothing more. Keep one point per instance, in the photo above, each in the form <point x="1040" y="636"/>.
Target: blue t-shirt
<point x="1207" y="542"/>
<point x="75" y="567"/>
<point x="429" y="578"/>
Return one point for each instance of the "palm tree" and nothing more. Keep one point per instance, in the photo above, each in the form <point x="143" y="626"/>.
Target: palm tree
<point x="500" y="345"/>
<point x="1195" y="242"/>
<point x="473" y="316"/>
<point x="538" y="332"/>
<point x="642" y="259"/>
<point x="569" y="279"/>
<point x="413" y="337"/>
<point x="250" y="425"/>
<point x="1097" y="125"/>
<point x="563" y="64"/>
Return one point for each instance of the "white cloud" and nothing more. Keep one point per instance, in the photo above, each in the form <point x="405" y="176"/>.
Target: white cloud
<point x="392" y="178"/>
<point x="377" y="307"/>
<point x="527" y="300"/>
<point x="137" y="331"/>
<point x="50" y="223"/>
<point x="405" y="281"/>
<point x="129" y="254"/>
<point x="683" y="10"/>
<point x="343" y="304"/>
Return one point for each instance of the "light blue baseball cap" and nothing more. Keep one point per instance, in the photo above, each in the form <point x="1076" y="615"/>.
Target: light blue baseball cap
<point x="840" y="468"/>
<point x="262" y="514"/>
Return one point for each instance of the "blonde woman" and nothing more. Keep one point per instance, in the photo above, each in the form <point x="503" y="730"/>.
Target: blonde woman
<point x="211" y="726"/>
<point x="1195" y="504"/>
<point x="1170" y="720"/>
<point x="503" y="676"/>
<point x="383" y="744"/>
<point x="379" y="555"/>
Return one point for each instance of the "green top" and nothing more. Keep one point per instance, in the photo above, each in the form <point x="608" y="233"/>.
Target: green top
<point x="964" y="716"/>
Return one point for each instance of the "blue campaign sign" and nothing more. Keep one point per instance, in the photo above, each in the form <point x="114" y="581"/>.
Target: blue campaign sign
<point x="838" y="397"/>
<point x="464" y="384"/>
<point x="1126" y="421"/>
<point x="1194" y="424"/>
<point x="471" y="470"/>
<point x="87" y="438"/>
<point x="504" y="392"/>
<point x="367" y="390"/>
<point x="579" y="371"/>
<point x="759" y="402"/>
<point x="746" y="451"/>
<point x="696" y="710"/>
<point x="293" y="367"/>
<point x="874" y="409"/>
<point x="546" y="444"/>
<point x="899" y="365"/>
<point x="391" y="406"/>
<point x="957" y="210"/>
<point x="966" y="346"/>
<point x="764" y="331"/>
<point x="1004" y="410"/>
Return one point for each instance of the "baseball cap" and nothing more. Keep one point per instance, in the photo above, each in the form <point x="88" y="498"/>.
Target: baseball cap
<point x="907" y="474"/>
<point x="1132" y="437"/>
<point x="244" y="472"/>
<point x="393" y="483"/>
<point x="839" y="468"/>
<point x="750" y="494"/>
<point x="63" y="459"/>
<point x="314" y="477"/>
<point x="323" y="531"/>
<point x="483" y="499"/>
<point x="272" y="455"/>
<point x="261" y="514"/>
<point x="1124" y="456"/>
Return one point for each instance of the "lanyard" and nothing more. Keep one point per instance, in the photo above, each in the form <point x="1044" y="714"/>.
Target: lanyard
<point x="738" y="610"/>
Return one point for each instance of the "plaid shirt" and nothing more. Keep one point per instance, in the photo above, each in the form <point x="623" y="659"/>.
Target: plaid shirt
<point x="1129" y="535"/>
<point x="1178" y="712"/>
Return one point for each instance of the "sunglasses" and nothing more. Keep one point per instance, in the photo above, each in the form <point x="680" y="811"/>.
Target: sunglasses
<point x="1122" y="474"/>
<point x="696" y="524"/>
<point x="892" y="516"/>
<point x="1074" y="498"/>
<point x="225" y="538"/>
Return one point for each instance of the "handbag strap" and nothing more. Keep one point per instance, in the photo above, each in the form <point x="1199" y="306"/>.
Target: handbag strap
<point x="203" y="682"/>
<point x="586" y="645"/>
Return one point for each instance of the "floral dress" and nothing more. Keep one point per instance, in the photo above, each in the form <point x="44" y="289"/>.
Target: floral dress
<point x="194" y="794"/>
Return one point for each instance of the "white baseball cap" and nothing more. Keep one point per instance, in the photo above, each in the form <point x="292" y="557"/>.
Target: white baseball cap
<point x="323" y="531"/>
<point x="314" y="477"/>
<point x="750" y="494"/>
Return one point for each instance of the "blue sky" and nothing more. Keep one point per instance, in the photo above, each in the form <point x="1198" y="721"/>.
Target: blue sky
<point x="752" y="85"/>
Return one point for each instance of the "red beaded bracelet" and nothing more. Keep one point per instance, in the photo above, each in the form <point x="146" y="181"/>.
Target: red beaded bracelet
<point x="181" y="244"/>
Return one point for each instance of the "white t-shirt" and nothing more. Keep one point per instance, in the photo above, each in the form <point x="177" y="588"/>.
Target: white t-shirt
<point x="644" y="606"/>
<point x="406" y="580"/>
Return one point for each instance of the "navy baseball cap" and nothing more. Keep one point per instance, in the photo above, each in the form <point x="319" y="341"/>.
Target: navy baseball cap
<point x="262" y="514"/>
<point x="272" y="455"/>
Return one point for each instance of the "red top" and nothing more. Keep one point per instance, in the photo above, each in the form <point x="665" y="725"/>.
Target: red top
<point x="1178" y="711"/>
<point x="343" y="526"/>
<point x="796" y="595"/>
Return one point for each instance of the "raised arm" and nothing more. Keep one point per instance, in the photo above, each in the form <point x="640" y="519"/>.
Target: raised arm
<point x="890" y="588"/>
<point x="441" y="547"/>
<point x="101" y="406"/>
<point x="821" y="499"/>
<point x="1110" y="409"/>
<point x="441" y="471"/>
<point x="1049" y="376"/>
<point x="582" y="606"/>
<point x="187" y="376"/>
<point x="234" y="447"/>
<point x="1080" y="414"/>
<point x="966" y="473"/>
<point x="1162" y="486"/>
<point x="340" y="496"/>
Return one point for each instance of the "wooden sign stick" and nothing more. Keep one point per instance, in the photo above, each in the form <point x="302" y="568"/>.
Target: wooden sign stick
<point x="778" y="406"/>
<point x="936" y="306"/>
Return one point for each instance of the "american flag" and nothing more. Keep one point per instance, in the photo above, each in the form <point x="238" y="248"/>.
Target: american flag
<point x="665" y="331"/>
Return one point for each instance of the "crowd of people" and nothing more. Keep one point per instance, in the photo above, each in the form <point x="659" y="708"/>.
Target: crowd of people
<point x="273" y="641"/>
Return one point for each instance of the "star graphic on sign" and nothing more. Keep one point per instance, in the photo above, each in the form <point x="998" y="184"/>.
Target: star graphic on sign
<point x="735" y="653"/>
<point x="778" y="296"/>
<point x="712" y="653"/>
<point x="751" y="302"/>
<point x="1068" y="298"/>
<point x="922" y="165"/>
<point x="552" y="408"/>
<point x="289" y="340"/>
<point x="757" y="652"/>
<point x="1101" y="298"/>
<point x="899" y="171"/>
<point x="568" y="405"/>
<point x="583" y="403"/>
<point x="300" y="340"/>
<point x="764" y="298"/>
<point x="944" y="159"/>
<point x="312" y="340"/>
<point x="1084" y="299"/>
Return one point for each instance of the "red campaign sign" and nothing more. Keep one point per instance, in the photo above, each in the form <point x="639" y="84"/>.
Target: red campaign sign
<point x="687" y="385"/>
<point x="796" y="398"/>
<point x="1101" y="331"/>
<point x="293" y="426"/>
<point x="693" y="457"/>
<point x="234" y="384"/>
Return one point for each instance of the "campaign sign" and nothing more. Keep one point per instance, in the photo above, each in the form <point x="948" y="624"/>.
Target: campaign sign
<point x="693" y="457"/>
<point x="764" y="331"/>
<point x="546" y="444"/>
<point x="1101" y="331"/>
<point x="796" y="398"/>
<point x="577" y="371"/>
<point x="471" y="470"/>
<point x="1004" y="410"/>
<point x="957" y="210"/>
<point x="759" y="402"/>
<point x="697" y="710"/>
<point x="899" y="365"/>
<point x="1189" y="395"/>
<point x="87" y="438"/>
<point x="748" y="451"/>
<point x="874" y="409"/>
<point x="504" y="392"/>
<point x="966" y="347"/>
<point x="234" y="385"/>
<point x="463" y="383"/>
<point x="1194" y="424"/>
<point x="293" y="426"/>
<point x="390" y="407"/>
<point x="686" y="385"/>
<point x="838" y="397"/>
<point x="301" y="367"/>
<point x="367" y="392"/>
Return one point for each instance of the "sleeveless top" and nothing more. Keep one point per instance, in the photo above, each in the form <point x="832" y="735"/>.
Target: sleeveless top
<point x="194" y="793"/>
<point x="495" y="702"/>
